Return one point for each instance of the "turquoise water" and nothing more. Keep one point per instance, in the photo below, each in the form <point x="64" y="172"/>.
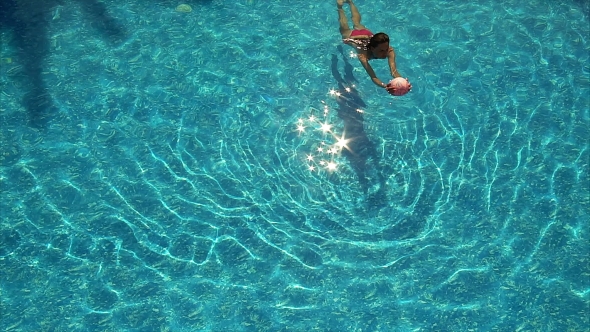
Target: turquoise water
<point x="159" y="182"/>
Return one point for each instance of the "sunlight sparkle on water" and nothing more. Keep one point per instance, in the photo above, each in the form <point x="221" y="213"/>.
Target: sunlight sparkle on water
<point x="324" y="151"/>
<point x="331" y="166"/>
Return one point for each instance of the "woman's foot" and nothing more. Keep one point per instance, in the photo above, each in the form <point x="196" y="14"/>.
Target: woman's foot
<point x="341" y="2"/>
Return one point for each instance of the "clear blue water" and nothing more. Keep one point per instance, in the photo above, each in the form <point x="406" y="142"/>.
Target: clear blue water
<point x="160" y="183"/>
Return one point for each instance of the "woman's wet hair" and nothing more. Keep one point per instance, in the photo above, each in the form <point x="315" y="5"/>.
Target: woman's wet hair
<point x="377" y="39"/>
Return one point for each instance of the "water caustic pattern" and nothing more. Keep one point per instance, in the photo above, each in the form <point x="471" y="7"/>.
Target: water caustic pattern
<point x="232" y="169"/>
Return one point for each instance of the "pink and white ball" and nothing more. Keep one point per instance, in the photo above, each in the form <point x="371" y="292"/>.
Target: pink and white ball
<point x="401" y="86"/>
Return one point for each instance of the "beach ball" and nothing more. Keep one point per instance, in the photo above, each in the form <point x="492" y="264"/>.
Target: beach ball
<point x="401" y="85"/>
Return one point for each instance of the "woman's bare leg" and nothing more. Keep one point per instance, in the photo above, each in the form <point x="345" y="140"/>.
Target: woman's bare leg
<point x="356" y="16"/>
<point x="344" y="28"/>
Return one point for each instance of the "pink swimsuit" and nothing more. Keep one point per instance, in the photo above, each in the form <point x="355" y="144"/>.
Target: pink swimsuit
<point x="359" y="44"/>
<point x="362" y="32"/>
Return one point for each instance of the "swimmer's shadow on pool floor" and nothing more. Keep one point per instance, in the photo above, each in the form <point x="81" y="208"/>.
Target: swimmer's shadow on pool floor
<point x="363" y="156"/>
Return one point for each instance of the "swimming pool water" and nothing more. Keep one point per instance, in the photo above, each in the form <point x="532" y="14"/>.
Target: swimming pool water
<point x="170" y="177"/>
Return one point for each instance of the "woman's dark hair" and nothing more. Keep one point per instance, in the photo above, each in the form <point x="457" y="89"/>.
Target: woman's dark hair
<point x="377" y="39"/>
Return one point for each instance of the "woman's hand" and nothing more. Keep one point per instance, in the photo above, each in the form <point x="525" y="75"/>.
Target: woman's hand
<point x="390" y="89"/>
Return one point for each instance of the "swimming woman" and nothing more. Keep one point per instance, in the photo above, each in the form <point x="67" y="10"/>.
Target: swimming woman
<point x="369" y="46"/>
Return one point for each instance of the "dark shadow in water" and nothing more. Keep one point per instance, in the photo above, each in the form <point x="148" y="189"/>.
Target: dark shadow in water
<point x="363" y="156"/>
<point x="25" y="22"/>
<point x="107" y="26"/>
<point x="365" y="161"/>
